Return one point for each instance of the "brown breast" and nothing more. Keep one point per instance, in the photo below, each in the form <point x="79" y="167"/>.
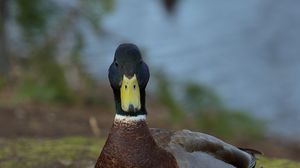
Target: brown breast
<point x="132" y="146"/>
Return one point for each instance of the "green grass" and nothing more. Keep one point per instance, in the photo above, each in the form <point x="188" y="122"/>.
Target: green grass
<point x="64" y="152"/>
<point x="276" y="163"/>
<point x="75" y="152"/>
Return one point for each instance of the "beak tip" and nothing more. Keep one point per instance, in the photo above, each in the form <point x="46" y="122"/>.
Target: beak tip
<point x="131" y="108"/>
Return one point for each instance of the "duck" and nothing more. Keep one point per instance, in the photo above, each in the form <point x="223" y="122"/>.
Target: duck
<point x="132" y="144"/>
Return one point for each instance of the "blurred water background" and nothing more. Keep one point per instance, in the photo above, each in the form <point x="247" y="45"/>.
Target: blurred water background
<point x="248" y="51"/>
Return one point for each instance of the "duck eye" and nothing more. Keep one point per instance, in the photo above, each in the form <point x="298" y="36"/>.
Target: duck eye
<point x="116" y="64"/>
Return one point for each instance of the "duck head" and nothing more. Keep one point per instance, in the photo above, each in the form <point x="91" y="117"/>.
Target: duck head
<point x="128" y="75"/>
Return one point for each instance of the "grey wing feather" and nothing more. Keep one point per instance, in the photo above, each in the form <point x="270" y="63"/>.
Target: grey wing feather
<point x="194" y="149"/>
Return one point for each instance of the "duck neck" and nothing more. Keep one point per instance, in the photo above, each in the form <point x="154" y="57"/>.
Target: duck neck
<point x="127" y="128"/>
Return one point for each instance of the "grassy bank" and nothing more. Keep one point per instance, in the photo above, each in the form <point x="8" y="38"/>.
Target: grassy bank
<point x="75" y="152"/>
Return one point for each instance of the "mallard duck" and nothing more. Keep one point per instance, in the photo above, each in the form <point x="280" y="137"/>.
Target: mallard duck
<point x="132" y="144"/>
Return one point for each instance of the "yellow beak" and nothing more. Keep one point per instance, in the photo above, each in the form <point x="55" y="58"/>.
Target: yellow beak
<point x="130" y="94"/>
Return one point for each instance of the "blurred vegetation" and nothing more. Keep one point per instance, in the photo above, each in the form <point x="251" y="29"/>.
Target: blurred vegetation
<point x="213" y="116"/>
<point x="207" y="111"/>
<point x="42" y="68"/>
<point x="164" y="93"/>
<point x="76" y="152"/>
<point x="32" y="17"/>
<point x="2" y="83"/>
<point x="44" y="79"/>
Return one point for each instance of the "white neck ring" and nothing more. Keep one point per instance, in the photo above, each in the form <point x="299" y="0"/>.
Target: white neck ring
<point x="130" y="119"/>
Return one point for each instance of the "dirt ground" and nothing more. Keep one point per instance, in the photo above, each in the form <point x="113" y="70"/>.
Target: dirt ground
<point x="52" y="122"/>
